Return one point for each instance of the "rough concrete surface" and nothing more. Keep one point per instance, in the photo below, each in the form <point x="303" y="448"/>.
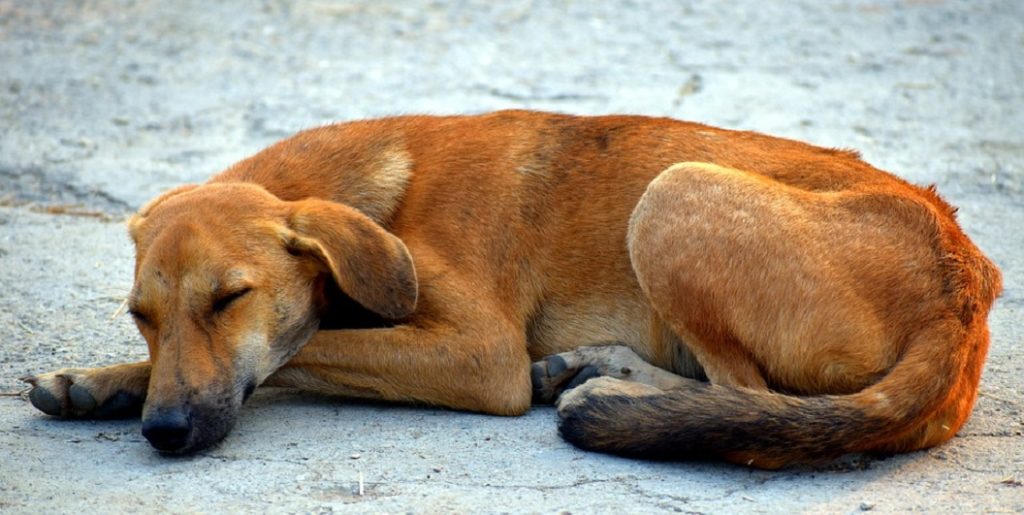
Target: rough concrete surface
<point x="105" y="103"/>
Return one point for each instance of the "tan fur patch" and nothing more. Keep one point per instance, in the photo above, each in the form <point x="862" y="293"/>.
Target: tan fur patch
<point x="379" y="192"/>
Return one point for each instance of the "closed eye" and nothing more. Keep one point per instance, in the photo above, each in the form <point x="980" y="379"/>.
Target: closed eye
<point x="224" y="301"/>
<point x="139" y="316"/>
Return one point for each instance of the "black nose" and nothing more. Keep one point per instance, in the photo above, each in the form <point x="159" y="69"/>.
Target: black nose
<point x="167" y="429"/>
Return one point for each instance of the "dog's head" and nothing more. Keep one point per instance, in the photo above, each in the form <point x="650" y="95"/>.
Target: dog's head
<point x="230" y="282"/>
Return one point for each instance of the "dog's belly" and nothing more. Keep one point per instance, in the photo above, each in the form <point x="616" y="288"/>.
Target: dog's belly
<point x="560" y="327"/>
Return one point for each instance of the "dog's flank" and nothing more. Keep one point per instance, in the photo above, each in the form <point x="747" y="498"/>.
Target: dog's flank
<point x="832" y="307"/>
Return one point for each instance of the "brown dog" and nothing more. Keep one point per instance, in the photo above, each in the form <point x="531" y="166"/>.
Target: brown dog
<point x="833" y="307"/>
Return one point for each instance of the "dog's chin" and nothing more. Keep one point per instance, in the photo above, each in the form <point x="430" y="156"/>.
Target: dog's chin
<point x="206" y="436"/>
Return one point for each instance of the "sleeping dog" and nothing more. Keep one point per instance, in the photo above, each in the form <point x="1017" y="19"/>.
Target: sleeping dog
<point x="678" y="290"/>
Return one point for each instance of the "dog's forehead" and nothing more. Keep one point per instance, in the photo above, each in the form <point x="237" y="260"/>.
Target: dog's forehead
<point x="195" y="257"/>
<point x="178" y="246"/>
<point x="211" y="205"/>
<point x="215" y="202"/>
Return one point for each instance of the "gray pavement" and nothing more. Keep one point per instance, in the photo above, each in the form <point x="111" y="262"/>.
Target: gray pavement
<point x="103" y="104"/>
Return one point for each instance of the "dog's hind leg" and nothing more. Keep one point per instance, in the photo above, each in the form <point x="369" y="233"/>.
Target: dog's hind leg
<point x="560" y="372"/>
<point x="771" y="285"/>
<point x="116" y="391"/>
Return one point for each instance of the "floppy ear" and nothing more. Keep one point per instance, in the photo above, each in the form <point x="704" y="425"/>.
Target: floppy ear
<point x="367" y="262"/>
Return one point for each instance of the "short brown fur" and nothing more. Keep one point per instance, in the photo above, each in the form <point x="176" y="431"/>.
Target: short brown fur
<point x="440" y="256"/>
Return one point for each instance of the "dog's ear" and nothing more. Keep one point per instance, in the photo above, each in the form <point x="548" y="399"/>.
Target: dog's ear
<point x="368" y="263"/>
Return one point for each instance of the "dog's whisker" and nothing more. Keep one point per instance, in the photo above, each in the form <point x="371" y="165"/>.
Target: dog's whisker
<point x="120" y="309"/>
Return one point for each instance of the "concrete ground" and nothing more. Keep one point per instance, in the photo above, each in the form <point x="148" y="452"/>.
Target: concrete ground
<point x="105" y="103"/>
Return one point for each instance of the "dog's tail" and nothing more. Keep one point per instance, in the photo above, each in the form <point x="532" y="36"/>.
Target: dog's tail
<point x="922" y="401"/>
<point x="762" y="428"/>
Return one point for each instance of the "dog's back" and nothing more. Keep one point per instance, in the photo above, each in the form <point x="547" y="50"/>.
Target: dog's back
<point x="537" y="203"/>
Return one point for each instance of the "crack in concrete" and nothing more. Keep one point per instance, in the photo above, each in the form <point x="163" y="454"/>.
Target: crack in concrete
<point x="655" y="498"/>
<point x="34" y="185"/>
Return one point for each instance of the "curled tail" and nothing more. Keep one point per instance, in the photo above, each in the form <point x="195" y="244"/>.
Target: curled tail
<point x="702" y="420"/>
<point x="922" y="401"/>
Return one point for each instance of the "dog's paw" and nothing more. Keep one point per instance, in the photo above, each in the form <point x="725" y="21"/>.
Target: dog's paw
<point x="72" y="393"/>
<point x="604" y="386"/>
<point x="562" y="372"/>
<point x="603" y="414"/>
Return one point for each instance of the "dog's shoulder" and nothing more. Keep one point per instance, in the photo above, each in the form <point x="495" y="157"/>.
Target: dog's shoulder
<point x="365" y="165"/>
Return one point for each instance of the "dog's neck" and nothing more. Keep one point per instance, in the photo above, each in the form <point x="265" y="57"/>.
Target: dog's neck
<point x="319" y="163"/>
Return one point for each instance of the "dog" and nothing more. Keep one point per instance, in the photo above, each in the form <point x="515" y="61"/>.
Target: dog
<point x="679" y="290"/>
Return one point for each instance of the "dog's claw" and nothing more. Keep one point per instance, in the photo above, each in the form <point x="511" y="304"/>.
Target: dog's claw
<point x="30" y="379"/>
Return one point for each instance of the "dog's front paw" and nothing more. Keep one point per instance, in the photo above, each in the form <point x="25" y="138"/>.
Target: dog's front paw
<point x="73" y="393"/>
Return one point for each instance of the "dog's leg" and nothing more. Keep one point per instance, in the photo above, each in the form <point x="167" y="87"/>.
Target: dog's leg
<point x="708" y="244"/>
<point x="483" y="370"/>
<point x="108" y="392"/>
<point x="607" y="386"/>
<point x="554" y="374"/>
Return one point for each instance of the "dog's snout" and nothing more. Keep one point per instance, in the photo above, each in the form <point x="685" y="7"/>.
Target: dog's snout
<point x="168" y="429"/>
